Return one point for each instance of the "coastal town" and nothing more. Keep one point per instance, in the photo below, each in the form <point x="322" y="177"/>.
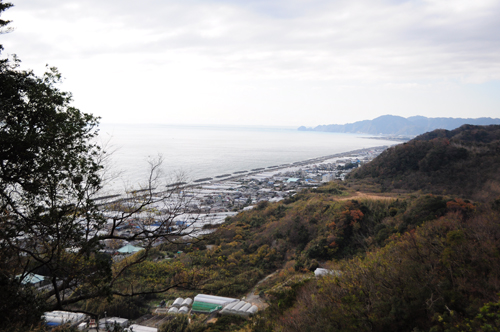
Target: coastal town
<point x="209" y="202"/>
<point x="234" y="192"/>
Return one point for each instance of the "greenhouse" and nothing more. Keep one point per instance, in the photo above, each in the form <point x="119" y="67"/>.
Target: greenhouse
<point x="203" y="307"/>
<point x="187" y="302"/>
<point x="56" y="318"/>
<point x="214" y="299"/>
<point x="209" y="303"/>
<point x="178" y="302"/>
<point x="184" y="310"/>
<point x="240" y="308"/>
<point x="173" y="310"/>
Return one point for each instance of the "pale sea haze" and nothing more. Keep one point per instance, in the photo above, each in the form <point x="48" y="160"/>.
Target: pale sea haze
<point x="209" y="151"/>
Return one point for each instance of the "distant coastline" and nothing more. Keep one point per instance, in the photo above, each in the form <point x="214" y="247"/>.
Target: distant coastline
<point x="400" y="126"/>
<point x="194" y="153"/>
<point x="262" y="170"/>
<point x="392" y="138"/>
<point x="308" y="162"/>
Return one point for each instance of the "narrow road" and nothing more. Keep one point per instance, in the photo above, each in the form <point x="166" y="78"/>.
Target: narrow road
<point x="254" y="298"/>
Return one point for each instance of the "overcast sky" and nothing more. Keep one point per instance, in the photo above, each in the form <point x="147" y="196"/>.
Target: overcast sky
<point x="265" y="62"/>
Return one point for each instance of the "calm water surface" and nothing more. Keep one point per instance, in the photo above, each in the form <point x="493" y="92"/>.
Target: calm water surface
<point x="208" y="151"/>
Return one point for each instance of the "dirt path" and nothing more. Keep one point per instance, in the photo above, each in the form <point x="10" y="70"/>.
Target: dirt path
<point x="254" y="298"/>
<point x="359" y="194"/>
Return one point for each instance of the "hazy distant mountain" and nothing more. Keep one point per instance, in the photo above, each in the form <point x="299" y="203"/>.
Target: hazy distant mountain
<point x="397" y="125"/>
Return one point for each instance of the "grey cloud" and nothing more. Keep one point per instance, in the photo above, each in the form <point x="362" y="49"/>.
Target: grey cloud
<point x="365" y="40"/>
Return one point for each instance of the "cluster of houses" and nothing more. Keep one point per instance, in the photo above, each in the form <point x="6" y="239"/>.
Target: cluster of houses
<point x="276" y="182"/>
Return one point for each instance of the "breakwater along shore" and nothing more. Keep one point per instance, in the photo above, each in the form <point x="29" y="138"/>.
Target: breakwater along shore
<point x="233" y="191"/>
<point x="365" y="154"/>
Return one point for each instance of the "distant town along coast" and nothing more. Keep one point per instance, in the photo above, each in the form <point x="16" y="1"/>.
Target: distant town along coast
<point x="242" y="189"/>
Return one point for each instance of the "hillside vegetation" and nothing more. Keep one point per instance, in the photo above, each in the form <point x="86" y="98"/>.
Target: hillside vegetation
<point x="462" y="162"/>
<point x="426" y="257"/>
<point x="416" y="263"/>
<point x="419" y="263"/>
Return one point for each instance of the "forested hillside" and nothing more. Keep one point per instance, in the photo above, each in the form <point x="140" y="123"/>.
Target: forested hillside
<point x="463" y="162"/>
<point x="436" y="277"/>
<point x="413" y="263"/>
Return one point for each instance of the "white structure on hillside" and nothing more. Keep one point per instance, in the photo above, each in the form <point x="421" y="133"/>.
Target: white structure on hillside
<point x="56" y="318"/>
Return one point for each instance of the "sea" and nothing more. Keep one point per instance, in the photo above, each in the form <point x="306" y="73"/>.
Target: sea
<point x="191" y="152"/>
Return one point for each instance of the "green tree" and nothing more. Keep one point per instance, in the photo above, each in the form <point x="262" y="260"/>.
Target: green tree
<point x="178" y="324"/>
<point x="51" y="175"/>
